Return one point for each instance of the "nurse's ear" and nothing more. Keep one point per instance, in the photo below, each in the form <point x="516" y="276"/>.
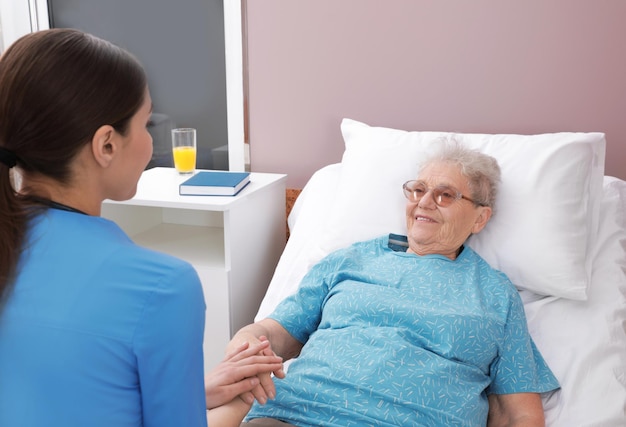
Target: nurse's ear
<point x="105" y="145"/>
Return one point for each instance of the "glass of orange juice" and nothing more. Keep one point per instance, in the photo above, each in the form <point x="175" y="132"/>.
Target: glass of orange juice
<point x="184" y="150"/>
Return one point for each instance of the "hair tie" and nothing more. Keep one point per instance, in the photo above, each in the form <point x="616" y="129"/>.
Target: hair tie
<point x="8" y="157"/>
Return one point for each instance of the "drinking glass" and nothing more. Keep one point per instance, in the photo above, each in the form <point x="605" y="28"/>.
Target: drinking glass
<point x="184" y="150"/>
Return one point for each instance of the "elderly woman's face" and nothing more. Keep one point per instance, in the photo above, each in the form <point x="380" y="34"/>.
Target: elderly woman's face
<point x="433" y="229"/>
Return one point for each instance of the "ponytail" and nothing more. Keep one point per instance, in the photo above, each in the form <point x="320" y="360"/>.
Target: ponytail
<point x="13" y="221"/>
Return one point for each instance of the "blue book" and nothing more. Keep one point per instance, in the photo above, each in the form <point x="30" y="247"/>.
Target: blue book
<point x="214" y="183"/>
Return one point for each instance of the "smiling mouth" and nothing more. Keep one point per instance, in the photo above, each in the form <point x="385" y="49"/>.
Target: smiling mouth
<point x="420" y="218"/>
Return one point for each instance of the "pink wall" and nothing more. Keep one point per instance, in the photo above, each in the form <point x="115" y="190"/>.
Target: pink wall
<point x="486" y="66"/>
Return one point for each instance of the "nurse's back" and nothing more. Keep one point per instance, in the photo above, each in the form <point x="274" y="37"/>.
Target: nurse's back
<point x="88" y="309"/>
<point x="94" y="331"/>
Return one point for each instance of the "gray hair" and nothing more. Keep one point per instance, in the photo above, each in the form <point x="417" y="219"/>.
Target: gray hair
<point x="481" y="170"/>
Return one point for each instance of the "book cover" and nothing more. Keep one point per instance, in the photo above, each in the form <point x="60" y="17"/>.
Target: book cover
<point x="214" y="183"/>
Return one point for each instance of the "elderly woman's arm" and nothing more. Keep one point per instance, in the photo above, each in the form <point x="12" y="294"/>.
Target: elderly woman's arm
<point x="515" y="410"/>
<point x="281" y="342"/>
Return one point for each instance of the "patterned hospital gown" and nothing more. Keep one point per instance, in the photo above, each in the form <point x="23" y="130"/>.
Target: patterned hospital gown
<point x="396" y="339"/>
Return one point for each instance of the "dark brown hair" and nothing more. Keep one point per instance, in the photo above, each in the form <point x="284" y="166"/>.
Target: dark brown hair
<point x="57" y="87"/>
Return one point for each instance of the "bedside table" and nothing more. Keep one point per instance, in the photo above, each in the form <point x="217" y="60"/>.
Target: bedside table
<point x="233" y="242"/>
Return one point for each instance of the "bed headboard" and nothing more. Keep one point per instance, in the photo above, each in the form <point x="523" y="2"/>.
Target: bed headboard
<point x="291" y="195"/>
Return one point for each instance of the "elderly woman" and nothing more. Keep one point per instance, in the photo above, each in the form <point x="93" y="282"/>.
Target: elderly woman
<point x="410" y="331"/>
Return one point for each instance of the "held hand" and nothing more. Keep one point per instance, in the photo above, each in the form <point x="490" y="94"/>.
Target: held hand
<point x="265" y="389"/>
<point x="238" y="374"/>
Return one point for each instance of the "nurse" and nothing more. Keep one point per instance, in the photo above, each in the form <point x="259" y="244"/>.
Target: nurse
<point x="94" y="330"/>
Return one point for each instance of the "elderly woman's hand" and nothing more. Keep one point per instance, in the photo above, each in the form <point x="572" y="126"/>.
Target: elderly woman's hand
<point x="237" y="375"/>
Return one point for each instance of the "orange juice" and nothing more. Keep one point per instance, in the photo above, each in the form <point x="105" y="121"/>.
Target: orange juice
<point x="184" y="159"/>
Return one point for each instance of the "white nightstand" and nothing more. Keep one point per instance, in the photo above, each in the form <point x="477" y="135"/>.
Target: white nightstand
<point x="233" y="242"/>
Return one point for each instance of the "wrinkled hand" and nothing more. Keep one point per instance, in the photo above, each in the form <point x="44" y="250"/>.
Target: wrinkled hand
<point x="264" y="389"/>
<point x="246" y="372"/>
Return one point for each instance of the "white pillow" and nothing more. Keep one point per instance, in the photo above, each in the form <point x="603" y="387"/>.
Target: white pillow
<point x="585" y="342"/>
<point x="546" y="213"/>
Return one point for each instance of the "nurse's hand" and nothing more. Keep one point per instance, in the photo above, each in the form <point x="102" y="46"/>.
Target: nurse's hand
<point x="237" y="375"/>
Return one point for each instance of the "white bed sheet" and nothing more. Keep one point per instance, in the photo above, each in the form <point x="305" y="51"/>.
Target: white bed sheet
<point x="583" y="341"/>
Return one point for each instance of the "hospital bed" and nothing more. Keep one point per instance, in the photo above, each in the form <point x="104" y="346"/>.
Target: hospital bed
<point x="558" y="232"/>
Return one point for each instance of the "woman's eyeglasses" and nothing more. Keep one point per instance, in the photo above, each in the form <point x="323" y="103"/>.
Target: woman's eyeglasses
<point x="442" y="195"/>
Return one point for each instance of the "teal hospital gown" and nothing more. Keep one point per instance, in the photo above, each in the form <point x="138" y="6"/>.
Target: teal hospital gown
<point x="396" y="339"/>
<point x="100" y="332"/>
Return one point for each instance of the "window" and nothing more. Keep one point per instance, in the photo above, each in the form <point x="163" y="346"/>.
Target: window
<point x="143" y="29"/>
